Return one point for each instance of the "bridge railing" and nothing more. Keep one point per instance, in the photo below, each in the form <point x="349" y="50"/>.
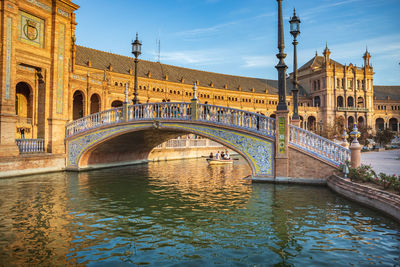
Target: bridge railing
<point x="30" y="145"/>
<point x="95" y="120"/>
<point x="176" y="111"/>
<point x="238" y="118"/>
<point x="159" y="111"/>
<point x="318" y="145"/>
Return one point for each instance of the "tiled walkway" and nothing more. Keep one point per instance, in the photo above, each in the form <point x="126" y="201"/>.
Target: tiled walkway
<point x="385" y="161"/>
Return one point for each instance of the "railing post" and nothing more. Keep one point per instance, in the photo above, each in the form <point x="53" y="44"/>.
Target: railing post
<point x="125" y="115"/>
<point x="355" y="147"/>
<point x="194" y="105"/>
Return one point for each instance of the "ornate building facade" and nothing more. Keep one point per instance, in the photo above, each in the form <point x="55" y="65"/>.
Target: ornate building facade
<point x="46" y="80"/>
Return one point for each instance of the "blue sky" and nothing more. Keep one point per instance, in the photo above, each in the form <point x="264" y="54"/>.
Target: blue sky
<point x="240" y="37"/>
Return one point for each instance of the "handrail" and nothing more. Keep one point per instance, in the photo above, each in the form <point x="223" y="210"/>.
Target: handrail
<point x="176" y="111"/>
<point x="95" y="120"/>
<point x="235" y="117"/>
<point x="30" y="145"/>
<point x="318" y="145"/>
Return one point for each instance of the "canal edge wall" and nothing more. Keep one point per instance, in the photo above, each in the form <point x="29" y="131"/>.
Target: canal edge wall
<point x="380" y="200"/>
<point x="31" y="164"/>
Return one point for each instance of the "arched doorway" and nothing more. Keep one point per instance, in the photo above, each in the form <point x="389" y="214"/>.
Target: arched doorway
<point x="339" y="101"/>
<point x="311" y="123"/>
<point x="94" y="103"/>
<point x="116" y="104"/>
<point x="350" y="122"/>
<point x="77" y="105"/>
<point x="350" y="101"/>
<point x="379" y="124"/>
<point x="393" y="124"/>
<point x="23" y="102"/>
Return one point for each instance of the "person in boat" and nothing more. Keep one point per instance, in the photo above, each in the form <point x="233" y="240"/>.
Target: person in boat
<point x="227" y="155"/>
<point x="217" y="155"/>
<point x="211" y="155"/>
<point x="222" y="155"/>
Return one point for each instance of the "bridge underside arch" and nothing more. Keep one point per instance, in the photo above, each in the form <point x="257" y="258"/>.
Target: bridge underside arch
<point x="134" y="141"/>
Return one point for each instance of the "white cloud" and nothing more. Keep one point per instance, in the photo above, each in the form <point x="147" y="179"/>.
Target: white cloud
<point x="259" y="61"/>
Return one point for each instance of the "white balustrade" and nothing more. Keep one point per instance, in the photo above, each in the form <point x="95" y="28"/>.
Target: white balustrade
<point x="95" y="120"/>
<point x="318" y="145"/>
<point x="237" y="118"/>
<point x="30" y="145"/>
<point x="176" y="111"/>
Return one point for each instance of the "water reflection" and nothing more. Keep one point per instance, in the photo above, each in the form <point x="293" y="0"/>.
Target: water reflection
<point x="184" y="212"/>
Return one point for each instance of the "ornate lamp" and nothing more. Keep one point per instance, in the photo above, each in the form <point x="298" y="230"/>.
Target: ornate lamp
<point x="136" y="51"/>
<point x="355" y="134"/>
<point x="295" y="31"/>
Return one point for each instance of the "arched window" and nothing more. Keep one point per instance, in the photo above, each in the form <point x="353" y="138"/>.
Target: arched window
<point x="350" y="122"/>
<point x="116" y="104"/>
<point x="360" y="102"/>
<point x="340" y="101"/>
<point x="77" y="105"/>
<point x="350" y="101"/>
<point x="94" y="103"/>
<point x="317" y="101"/>
<point x="360" y="122"/>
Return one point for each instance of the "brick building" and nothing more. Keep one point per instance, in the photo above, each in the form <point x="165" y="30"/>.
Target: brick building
<point x="46" y="80"/>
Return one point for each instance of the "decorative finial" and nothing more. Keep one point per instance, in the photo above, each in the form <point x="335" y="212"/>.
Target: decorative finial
<point x="194" y="91"/>
<point x="355" y="133"/>
<point x="316" y="53"/>
<point x="294" y="11"/>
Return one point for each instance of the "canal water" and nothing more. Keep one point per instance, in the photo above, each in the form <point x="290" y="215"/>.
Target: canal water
<point x="185" y="213"/>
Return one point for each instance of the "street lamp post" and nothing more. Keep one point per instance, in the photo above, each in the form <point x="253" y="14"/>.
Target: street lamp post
<point x="136" y="51"/>
<point x="281" y="67"/>
<point x="295" y="31"/>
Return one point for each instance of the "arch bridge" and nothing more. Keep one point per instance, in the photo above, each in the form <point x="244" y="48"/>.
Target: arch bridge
<point x="128" y="133"/>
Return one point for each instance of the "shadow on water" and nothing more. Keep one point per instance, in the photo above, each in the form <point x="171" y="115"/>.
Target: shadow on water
<point x="185" y="212"/>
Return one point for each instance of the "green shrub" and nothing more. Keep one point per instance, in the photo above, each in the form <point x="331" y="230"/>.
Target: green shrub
<point x="388" y="180"/>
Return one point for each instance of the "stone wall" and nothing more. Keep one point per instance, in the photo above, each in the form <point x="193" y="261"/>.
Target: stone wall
<point x="378" y="199"/>
<point x="31" y="164"/>
<point x="303" y="165"/>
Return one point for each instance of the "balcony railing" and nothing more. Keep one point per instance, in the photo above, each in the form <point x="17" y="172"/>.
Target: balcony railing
<point x="30" y="145"/>
<point x="352" y="109"/>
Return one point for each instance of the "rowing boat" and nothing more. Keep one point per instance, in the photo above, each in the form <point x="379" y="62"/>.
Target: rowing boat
<point x="219" y="161"/>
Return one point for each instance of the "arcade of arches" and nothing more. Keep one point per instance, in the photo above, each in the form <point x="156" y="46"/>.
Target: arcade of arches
<point x="77" y="81"/>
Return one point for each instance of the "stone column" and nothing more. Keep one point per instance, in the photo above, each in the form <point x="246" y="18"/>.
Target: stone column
<point x="194" y="104"/>
<point x="355" y="148"/>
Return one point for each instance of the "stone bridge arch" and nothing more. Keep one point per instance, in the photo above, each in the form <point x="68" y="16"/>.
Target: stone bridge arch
<point x="132" y="142"/>
<point x="93" y="140"/>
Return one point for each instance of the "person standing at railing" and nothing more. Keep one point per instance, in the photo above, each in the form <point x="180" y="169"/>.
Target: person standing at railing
<point x="22" y="131"/>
